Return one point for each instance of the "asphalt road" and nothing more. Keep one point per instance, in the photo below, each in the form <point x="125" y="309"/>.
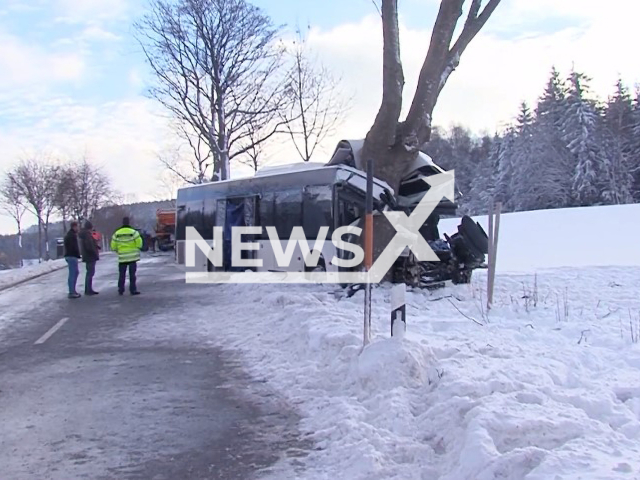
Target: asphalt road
<point x="79" y="401"/>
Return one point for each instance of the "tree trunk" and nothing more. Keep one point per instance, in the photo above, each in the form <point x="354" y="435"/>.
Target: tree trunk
<point x="393" y="144"/>
<point x="46" y="241"/>
<point x="39" y="239"/>
<point x="390" y="165"/>
<point x="20" y="245"/>
<point x="223" y="141"/>
<point x="64" y="220"/>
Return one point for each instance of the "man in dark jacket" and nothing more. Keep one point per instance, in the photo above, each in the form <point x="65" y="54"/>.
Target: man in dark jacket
<point x="90" y="256"/>
<point x="71" y="256"/>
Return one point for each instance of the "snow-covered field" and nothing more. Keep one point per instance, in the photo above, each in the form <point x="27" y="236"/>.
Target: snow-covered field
<point x="573" y="237"/>
<point x="15" y="275"/>
<point x="545" y="386"/>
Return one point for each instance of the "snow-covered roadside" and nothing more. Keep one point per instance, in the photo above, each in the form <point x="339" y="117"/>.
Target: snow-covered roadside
<point x="547" y="387"/>
<point x="15" y="276"/>
<point x="540" y="391"/>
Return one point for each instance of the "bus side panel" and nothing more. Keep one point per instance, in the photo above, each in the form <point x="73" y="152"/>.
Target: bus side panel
<point x="190" y="213"/>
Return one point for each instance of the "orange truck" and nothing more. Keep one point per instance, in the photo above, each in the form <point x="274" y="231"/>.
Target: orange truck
<point x="165" y="229"/>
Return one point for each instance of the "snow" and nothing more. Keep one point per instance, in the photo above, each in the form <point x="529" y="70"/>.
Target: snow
<point x="570" y="237"/>
<point x="548" y="386"/>
<point x="288" y="168"/>
<point x="16" y="275"/>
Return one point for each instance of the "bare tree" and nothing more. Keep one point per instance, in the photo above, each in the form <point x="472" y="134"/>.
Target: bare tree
<point x="34" y="180"/>
<point x="168" y="184"/>
<point x="254" y="156"/>
<point x="13" y="204"/>
<point x="217" y="65"/>
<point x="63" y="192"/>
<point x="193" y="166"/>
<point x="392" y="143"/>
<point x="315" y="107"/>
<point x="88" y="188"/>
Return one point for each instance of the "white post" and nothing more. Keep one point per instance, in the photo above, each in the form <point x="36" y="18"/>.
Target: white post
<point x="490" y="253"/>
<point x="398" y="311"/>
<point x="494" y="229"/>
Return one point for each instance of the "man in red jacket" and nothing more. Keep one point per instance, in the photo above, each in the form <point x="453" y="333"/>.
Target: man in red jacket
<point x="90" y="256"/>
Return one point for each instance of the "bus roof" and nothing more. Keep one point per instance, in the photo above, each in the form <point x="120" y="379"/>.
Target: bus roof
<point x="291" y="169"/>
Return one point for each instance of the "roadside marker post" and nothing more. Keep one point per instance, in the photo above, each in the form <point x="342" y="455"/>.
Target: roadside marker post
<point x="494" y="230"/>
<point x="398" y="311"/>
<point x="368" y="251"/>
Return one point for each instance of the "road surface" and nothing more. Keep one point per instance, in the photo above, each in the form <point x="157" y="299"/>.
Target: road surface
<point x="80" y="400"/>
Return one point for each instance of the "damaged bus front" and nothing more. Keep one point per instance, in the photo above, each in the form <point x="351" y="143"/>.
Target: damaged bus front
<point x="459" y="254"/>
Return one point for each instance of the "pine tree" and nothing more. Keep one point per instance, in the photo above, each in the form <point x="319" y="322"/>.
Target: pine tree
<point x="506" y="170"/>
<point x="618" y="186"/>
<point x="633" y="148"/>
<point x="619" y="146"/>
<point x="619" y="112"/>
<point x="523" y="159"/>
<point x="483" y="186"/>
<point x="461" y="148"/>
<point x="582" y="137"/>
<point x="556" y="163"/>
<point x="549" y="109"/>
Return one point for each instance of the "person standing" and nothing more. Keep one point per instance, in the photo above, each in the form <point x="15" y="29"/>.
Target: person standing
<point x="90" y="256"/>
<point x="71" y="256"/>
<point x="127" y="243"/>
<point x="154" y="238"/>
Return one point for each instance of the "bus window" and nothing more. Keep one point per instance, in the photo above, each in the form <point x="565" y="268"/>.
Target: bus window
<point x="266" y="212"/>
<point x="316" y="209"/>
<point x="348" y="212"/>
<point x="190" y="215"/>
<point x="209" y="216"/>
<point x="288" y="211"/>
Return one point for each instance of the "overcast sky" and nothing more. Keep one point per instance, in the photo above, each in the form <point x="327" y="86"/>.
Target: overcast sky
<point x="72" y="78"/>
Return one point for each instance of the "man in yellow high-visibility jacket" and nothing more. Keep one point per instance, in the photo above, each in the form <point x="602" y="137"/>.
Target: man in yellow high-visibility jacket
<point x="127" y="242"/>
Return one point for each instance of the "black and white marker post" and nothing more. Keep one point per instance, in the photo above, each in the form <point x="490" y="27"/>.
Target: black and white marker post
<point x="368" y="251"/>
<point x="398" y="311"/>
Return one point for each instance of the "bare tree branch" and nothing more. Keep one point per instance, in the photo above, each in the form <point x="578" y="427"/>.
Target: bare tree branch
<point x="315" y="107"/>
<point x="475" y="22"/>
<point x="377" y="7"/>
<point x="442" y="59"/>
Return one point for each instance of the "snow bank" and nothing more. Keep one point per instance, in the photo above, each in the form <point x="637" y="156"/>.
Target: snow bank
<point x="547" y="387"/>
<point x="569" y="237"/>
<point x="14" y="276"/>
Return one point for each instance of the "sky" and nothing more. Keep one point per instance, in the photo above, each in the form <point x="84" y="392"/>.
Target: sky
<point x="73" y="79"/>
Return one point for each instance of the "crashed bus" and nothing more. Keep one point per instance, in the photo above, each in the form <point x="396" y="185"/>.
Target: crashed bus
<point x="313" y="195"/>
